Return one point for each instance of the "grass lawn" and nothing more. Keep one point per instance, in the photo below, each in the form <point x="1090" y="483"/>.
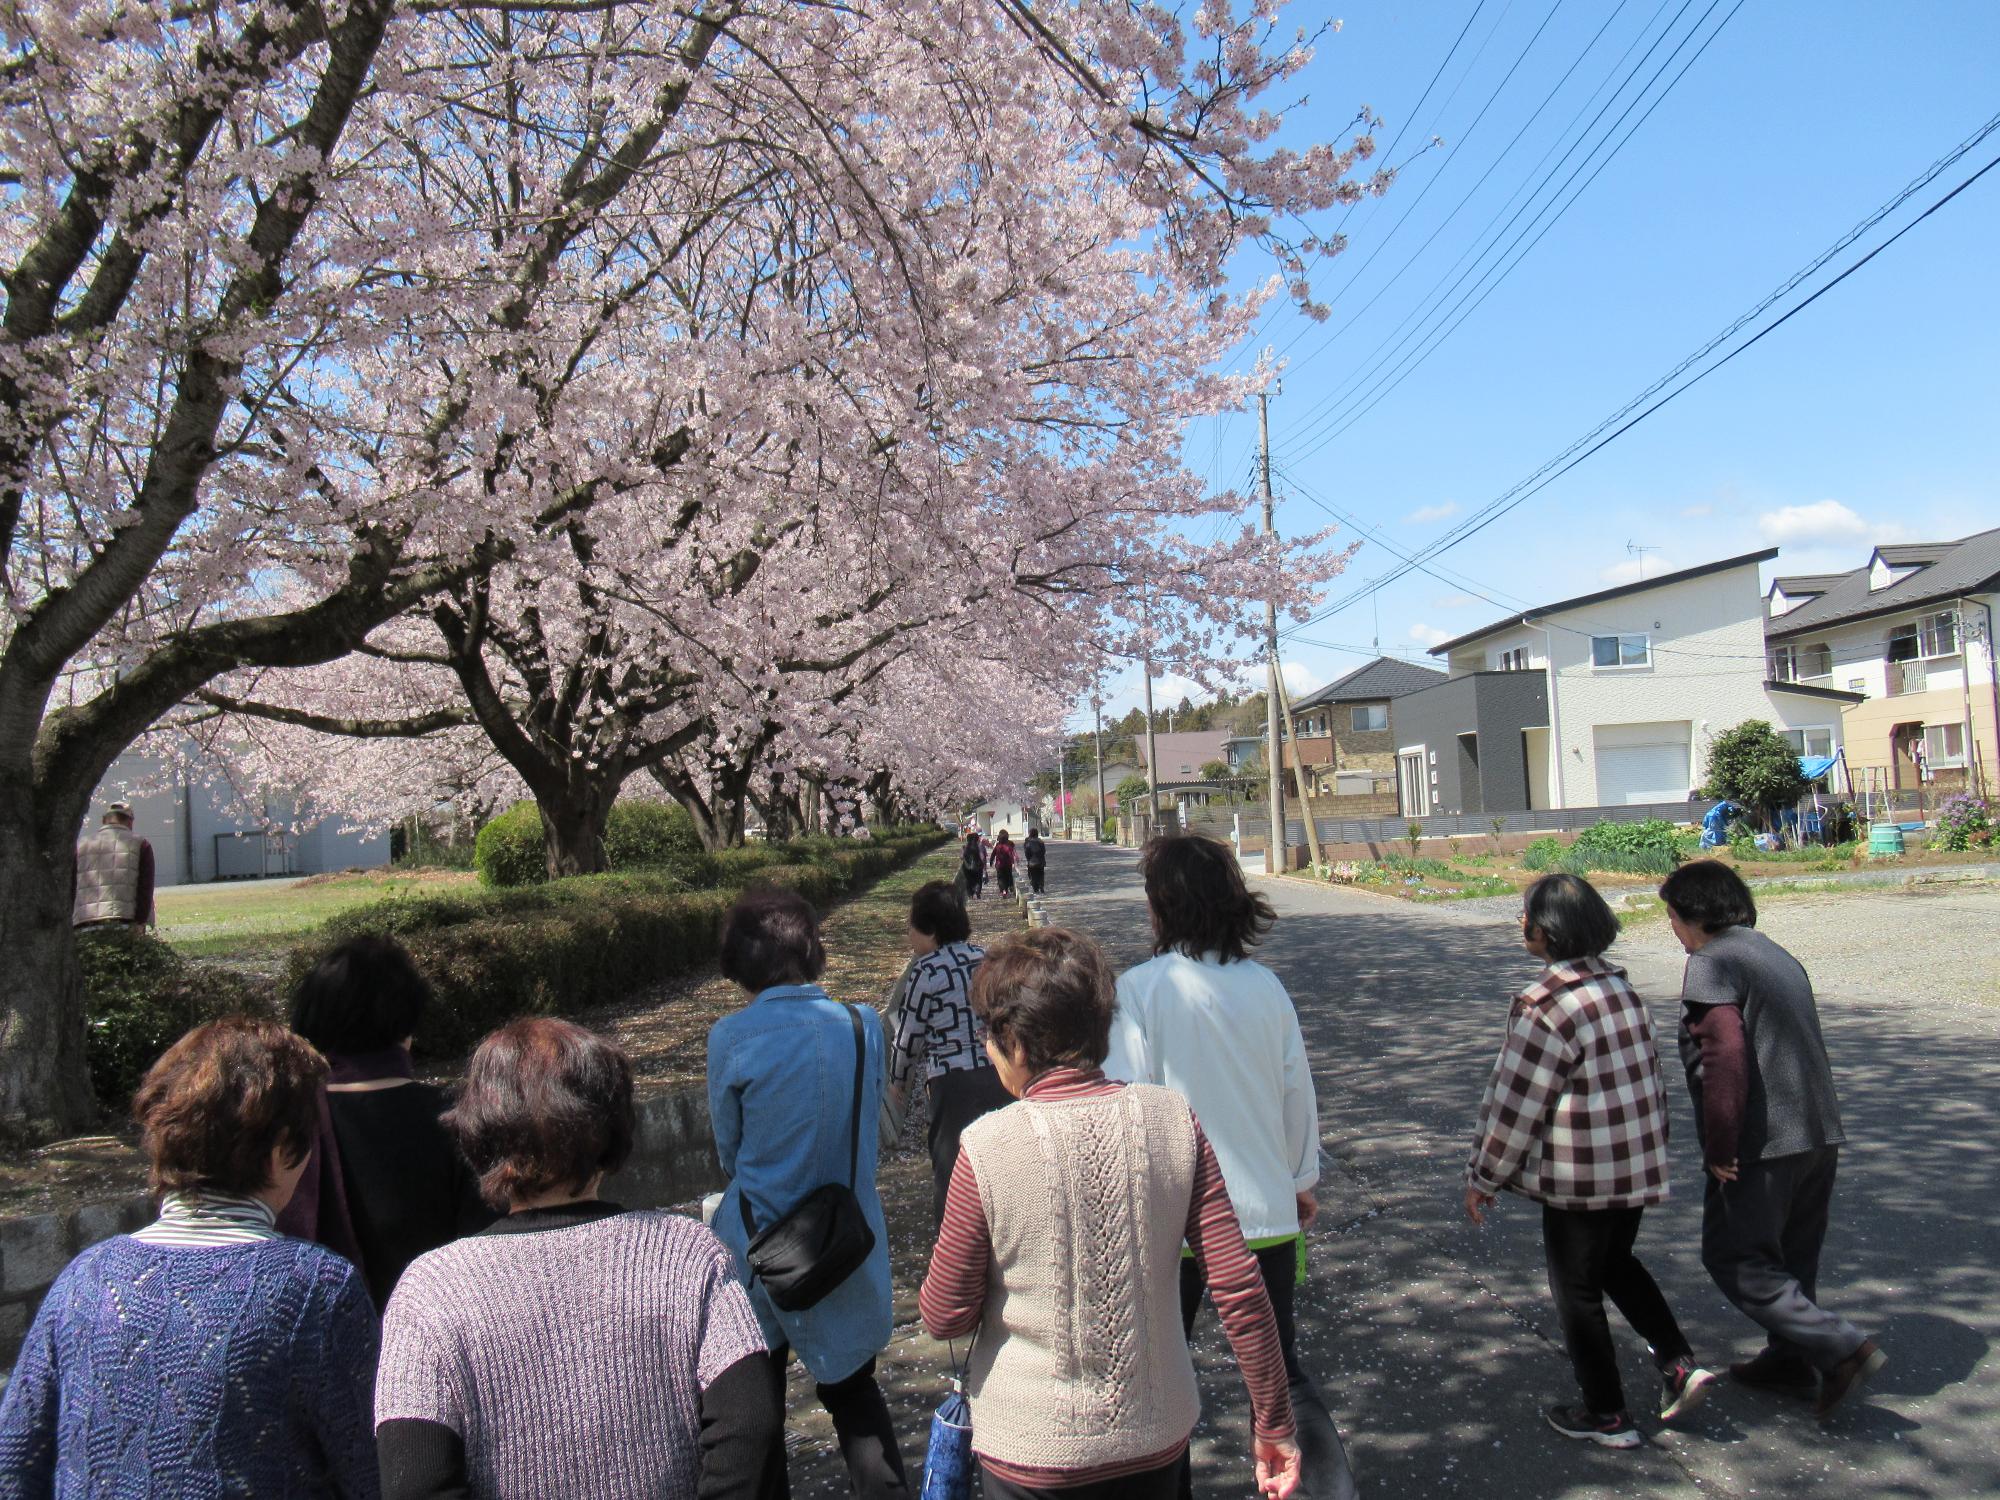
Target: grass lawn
<point x="253" y="918"/>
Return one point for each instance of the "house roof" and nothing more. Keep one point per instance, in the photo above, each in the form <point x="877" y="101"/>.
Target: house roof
<point x="1800" y="584"/>
<point x="1384" y="677"/>
<point x="1971" y="565"/>
<point x="1192" y="748"/>
<point x="1807" y="690"/>
<point x="1624" y="590"/>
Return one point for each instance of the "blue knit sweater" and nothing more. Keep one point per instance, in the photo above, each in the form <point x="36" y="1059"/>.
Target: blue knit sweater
<point x="229" y="1370"/>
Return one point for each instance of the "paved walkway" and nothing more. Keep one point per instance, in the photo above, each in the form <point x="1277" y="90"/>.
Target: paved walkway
<point x="1434" y="1340"/>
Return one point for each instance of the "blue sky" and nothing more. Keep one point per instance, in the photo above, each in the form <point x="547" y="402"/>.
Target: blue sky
<point x="1869" y="417"/>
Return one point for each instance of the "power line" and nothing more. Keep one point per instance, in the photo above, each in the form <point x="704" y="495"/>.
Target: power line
<point x="1428" y="343"/>
<point x="1577" y="452"/>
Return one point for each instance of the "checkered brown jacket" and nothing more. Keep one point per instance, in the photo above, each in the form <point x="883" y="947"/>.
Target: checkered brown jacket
<point x="1576" y="1114"/>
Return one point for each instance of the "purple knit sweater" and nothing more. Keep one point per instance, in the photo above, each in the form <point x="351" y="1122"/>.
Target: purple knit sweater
<point x="571" y="1361"/>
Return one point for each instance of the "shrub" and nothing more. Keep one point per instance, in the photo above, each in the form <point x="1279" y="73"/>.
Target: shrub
<point x="1650" y="847"/>
<point x="734" y="867"/>
<point x="657" y="836"/>
<point x="1965" y="822"/>
<point x="139" y="998"/>
<point x="1752" y="765"/>
<point x="1544" y="853"/>
<point x="1412" y="836"/>
<point x="508" y="851"/>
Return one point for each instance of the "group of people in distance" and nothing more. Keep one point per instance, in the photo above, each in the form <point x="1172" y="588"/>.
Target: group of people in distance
<point x="1575" y="1118"/>
<point x="979" y="853"/>
<point x="357" y="1286"/>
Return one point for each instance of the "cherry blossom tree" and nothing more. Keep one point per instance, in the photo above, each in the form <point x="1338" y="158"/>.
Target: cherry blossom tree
<point x="405" y="325"/>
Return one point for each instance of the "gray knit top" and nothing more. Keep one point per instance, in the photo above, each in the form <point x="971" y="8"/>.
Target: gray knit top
<point x="570" y="1361"/>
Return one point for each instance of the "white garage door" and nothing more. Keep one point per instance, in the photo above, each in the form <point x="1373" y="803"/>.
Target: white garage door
<point x="1642" y="763"/>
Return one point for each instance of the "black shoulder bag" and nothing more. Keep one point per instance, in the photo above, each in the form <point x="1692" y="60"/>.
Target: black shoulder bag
<point x="825" y="1238"/>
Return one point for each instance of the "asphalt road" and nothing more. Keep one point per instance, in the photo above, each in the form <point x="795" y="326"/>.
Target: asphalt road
<point x="1435" y="1341"/>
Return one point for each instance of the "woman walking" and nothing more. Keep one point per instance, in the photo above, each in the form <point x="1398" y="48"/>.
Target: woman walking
<point x="1003" y="862"/>
<point x="780" y="1095"/>
<point x="1203" y="1018"/>
<point x="385" y="1181"/>
<point x="1061" y="1247"/>
<point x="972" y="866"/>
<point x="1575" y="1119"/>
<point x="207" y="1354"/>
<point x="937" y="1032"/>
<point x="574" y="1347"/>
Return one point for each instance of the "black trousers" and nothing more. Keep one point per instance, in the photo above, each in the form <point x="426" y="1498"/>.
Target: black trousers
<point x="1035" y="874"/>
<point x="1154" y="1484"/>
<point x="1760" y="1239"/>
<point x="1006" y="874"/>
<point x="862" y="1427"/>
<point x="957" y="1098"/>
<point x="1590" y="1258"/>
<point x="1324" y="1473"/>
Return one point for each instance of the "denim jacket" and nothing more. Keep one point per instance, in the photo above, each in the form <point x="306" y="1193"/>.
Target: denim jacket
<point x="780" y="1072"/>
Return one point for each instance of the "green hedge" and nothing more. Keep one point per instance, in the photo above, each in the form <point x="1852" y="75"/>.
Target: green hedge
<point x="564" y="946"/>
<point x="639" y="836"/>
<point x="139" y="998"/>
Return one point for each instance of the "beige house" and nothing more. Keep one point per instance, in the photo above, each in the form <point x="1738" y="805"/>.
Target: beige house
<point x="1912" y="632"/>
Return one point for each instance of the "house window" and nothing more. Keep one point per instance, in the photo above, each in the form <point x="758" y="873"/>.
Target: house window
<point x="1515" y="660"/>
<point x="1370" y="717"/>
<point x="1816" y="741"/>
<point x="1785" y="664"/>
<point x="1621" y="651"/>
<point x="1930" y="636"/>
<point x="1816" y="660"/>
<point x="1944" y="744"/>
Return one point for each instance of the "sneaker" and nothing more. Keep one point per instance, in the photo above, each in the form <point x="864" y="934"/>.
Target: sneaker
<point x="1775" y="1370"/>
<point x="1614" y="1431"/>
<point x="1686" y="1387"/>
<point x="1845" y="1378"/>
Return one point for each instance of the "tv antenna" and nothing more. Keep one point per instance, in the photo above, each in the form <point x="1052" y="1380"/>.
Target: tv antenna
<point x="1635" y="549"/>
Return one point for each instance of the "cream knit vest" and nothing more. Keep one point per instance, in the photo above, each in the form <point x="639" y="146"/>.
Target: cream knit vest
<point x="1080" y="1359"/>
<point x="107" y="877"/>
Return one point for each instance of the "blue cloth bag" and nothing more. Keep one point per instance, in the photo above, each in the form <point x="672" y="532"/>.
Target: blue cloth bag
<point x="948" y="1465"/>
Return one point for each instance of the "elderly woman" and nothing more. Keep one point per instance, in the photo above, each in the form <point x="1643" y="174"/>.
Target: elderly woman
<point x="781" y="1075"/>
<point x="1061" y="1249"/>
<point x="207" y="1354"/>
<point x="574" y="1347"/>
<point x="386" y="1181"/>
<point x="936" y="1033"/>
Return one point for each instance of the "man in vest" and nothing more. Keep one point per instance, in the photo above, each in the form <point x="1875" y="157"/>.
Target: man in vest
<point x="114" y="874"/>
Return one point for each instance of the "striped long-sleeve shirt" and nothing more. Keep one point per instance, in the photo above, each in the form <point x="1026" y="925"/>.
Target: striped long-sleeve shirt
<point x="953" y="1297"/>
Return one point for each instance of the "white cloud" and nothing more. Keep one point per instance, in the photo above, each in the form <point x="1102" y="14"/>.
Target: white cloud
<point x="1824" y="521"/>
<point x="1425" y="515"/>
<point x="1428" y="635"/>
<point x="1299" y="678"/>
<point x="1696" y="512"/>
<point x="1633" y="569"/>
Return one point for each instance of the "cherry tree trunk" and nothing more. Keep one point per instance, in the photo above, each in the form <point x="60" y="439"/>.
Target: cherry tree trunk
<point x="44" y="1083"/>
<point x="573" y="832"/>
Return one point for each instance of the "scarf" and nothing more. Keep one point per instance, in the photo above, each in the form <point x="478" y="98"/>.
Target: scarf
<point x="319" y="1209"/>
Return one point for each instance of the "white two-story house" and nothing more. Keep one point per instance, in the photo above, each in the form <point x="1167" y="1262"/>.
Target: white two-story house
<point x="1606" y="700"/>
<point x="1911" y="632"/>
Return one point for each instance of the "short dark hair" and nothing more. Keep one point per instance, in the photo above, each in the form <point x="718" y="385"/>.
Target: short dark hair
<point x="771" y="937"/>
<point x="1571" y="916"/>
<point x="546" y="1105"/>
<point x="938" y="911"/>
<point x="1706" y="893"/>
<point x="362" y="996"/>
<point x="1199" y="899"/>
<point x="1048" y="995"/>
<point x="222" y="1099"/>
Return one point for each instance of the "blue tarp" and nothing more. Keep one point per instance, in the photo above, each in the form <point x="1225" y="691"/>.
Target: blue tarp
<point x="1715" y="824"/>
<point x="1816" y="766"/>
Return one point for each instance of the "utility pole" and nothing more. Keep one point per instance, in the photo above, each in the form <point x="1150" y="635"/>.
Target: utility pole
<point x="1097" y="717"/>
<point x="1062" y="785"/>
<point x="1299" y="765"/>
<point x="1274" y="747"/>
<point x="1152" y="757"/>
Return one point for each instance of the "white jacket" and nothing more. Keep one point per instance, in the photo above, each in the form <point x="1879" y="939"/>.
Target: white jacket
<point x="1226" y="1037"/>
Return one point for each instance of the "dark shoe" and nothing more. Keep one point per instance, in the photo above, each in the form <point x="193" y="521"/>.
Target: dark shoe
<point x="1686" y="1386"/>
<point x="1775" y="1370"/>
<point x="1614" y="1431"/>
<point x="1845" y="1378"/>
